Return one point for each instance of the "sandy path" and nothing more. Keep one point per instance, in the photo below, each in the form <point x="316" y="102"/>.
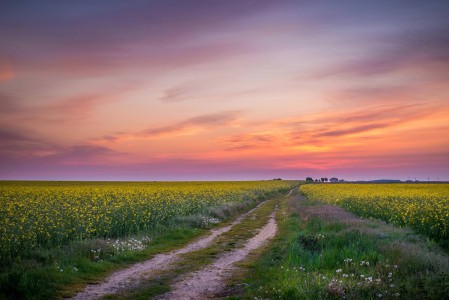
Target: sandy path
<point x="208" y="281"/>
<point x="132" y="276"/>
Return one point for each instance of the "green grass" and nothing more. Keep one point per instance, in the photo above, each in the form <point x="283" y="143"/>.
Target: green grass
<point x="309" y="260"/>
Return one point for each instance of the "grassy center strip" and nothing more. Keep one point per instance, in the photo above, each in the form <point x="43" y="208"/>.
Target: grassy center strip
<point x="193" y="261"/>
<point x="324" y="252"/>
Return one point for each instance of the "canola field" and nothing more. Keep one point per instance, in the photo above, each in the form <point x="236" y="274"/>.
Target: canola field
<point x="51" y="214"/>
<point x="423" y="207"/>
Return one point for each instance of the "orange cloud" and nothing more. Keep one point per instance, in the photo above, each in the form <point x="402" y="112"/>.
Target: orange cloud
<point x="343" y="124"/>
<point x="362" y="138"/>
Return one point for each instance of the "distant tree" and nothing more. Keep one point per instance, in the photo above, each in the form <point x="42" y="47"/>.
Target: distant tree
<point x="333" y="179"/>
<point x="277" y="179"/>
<point x="316" y="180"/>
<point x="309" y="179"/>
<point x="322" y="179"/>
<point x="325" y="179"/>
<point x="341" y="180"/>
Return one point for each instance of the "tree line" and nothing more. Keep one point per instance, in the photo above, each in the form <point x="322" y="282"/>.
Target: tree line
<point x="324" y="179"/>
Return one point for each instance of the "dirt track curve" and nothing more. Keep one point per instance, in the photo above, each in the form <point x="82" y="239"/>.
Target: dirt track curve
<point x="133" y="275"/>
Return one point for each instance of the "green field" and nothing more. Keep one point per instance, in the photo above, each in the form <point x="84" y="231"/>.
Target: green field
<point x="334" y="241"/>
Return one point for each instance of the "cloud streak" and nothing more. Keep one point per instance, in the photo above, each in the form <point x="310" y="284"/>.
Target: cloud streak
<point x="244" y="142"/>
<point x="73" y="109"/>
<point x="353" y="130"/>
<point x="201" y="122"/>
<point x="316" y="128"/>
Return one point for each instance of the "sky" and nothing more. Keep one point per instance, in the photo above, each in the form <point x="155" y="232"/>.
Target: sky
<point x="224" y="90"/>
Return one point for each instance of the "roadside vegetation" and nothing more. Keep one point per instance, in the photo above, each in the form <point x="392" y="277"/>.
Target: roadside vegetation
<point x="324" y="252"/>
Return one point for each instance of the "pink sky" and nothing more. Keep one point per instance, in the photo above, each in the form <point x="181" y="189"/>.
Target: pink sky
<point x="199" y="90"/>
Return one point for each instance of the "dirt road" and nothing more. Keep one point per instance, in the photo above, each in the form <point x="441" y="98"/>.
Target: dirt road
<point x="201" y="284"/>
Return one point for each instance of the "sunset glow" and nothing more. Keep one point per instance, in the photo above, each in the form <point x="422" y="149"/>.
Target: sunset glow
<point x="224" y="90"/>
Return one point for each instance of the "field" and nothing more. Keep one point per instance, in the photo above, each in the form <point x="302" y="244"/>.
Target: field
<point x="423" y="207"/>
<point x="57" y="235"/>
<point x="50" y="214"/>
<point x="65" y="239"/>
